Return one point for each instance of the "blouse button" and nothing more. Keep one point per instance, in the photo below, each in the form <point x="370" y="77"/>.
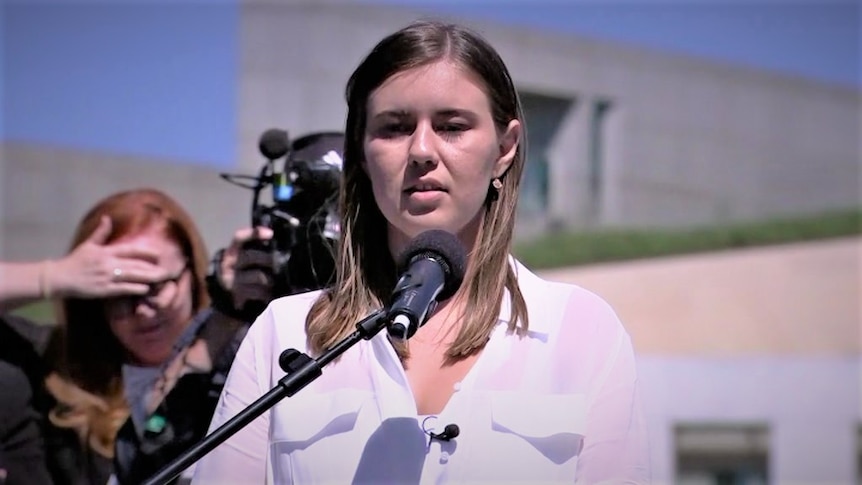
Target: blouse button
<point x="444" y="457"/>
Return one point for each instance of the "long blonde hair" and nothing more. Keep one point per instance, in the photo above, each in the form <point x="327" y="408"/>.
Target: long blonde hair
<point x="85" y="357"/>
<point x="365" y="272"/>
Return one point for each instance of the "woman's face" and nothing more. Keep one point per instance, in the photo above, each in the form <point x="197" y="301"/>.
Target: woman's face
<point x="432" y="149"/>
<point x="148" y="326"/>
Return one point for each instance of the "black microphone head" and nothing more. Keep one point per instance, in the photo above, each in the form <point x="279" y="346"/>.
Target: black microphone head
<point x="443" y="247"/>
<point x="274" y="143"/>
<point x="451" y="431"/>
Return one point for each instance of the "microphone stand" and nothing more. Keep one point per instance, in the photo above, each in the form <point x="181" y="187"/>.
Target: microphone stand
<point x="301" y="370"/>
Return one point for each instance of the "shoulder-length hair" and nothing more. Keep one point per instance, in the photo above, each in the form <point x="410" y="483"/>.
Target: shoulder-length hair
<point x="365" y="269"/>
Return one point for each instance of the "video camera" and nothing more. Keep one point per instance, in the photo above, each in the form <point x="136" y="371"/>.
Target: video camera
<point x="303" y="211"/>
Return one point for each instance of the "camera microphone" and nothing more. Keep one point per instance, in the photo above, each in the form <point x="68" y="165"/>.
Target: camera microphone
<point x="303" y="176"/>
<point x="274" y="144"/>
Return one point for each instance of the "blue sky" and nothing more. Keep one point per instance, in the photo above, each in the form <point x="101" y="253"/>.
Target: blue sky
<point x="819" y="39"/>
<point x="159" y="78"/>
<point x="133" y="77"/>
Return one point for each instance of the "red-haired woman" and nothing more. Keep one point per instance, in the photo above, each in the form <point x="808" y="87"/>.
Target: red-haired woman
<point x="130" y="366"/>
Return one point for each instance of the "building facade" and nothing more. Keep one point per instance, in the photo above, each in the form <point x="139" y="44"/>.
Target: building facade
<point x="749" y="360"/>
<point x="618" y="135"/>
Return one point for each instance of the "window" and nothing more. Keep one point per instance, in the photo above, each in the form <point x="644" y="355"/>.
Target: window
<point x="719" y="454"/>
<point x="598" y="155"/>
<point x="544" y="116"/>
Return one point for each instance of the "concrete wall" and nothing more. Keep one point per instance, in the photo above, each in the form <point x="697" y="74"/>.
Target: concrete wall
<point x="810" y="407"/>
<point x="791" y="299"/>
<point x="767" y="336"/>
<point x="45" y="191"/>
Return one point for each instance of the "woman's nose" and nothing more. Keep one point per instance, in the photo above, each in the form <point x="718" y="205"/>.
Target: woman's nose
<point x="422" y="145"/>
<point x="145" y="308"/>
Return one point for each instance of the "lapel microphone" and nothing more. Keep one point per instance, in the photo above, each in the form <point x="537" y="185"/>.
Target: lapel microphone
<point x="450" y="431"/>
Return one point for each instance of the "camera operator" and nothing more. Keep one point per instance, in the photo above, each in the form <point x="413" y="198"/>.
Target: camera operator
<point x="241" y="276"/>
<point x="290" y="247"/>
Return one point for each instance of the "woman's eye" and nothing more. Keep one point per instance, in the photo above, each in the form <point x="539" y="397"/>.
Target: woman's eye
<point x="395" y="129"/>
<point x="453" y="128"/>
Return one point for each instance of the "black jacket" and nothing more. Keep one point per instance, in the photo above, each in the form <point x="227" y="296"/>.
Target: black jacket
<point x="183" y="416"/>
<point x="23" y="402"/>
<point x="22" y="453"/>
<point x="186" y="410"/>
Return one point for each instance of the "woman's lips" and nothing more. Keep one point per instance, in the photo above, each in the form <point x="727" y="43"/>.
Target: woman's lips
<point x="150" y="329"/>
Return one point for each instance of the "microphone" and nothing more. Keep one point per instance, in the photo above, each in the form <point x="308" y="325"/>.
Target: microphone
<point x="432" y="268"/>
<point x="274" y="143"/>
<point x="450" y="432"/>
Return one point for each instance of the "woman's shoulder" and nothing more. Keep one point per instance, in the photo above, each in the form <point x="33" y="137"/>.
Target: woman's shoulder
<point x="293" y="303"/>
<point x="283" y="320"/>
<point x="542" y="288"/>
<point x="567" y="303"/>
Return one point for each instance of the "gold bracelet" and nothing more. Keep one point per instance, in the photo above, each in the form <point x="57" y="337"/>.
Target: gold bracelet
<point x="44" y="285"/>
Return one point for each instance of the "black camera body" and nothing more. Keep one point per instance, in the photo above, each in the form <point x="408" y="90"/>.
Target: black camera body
<point x="304" y="213"/>
<point x="303" y="177"/>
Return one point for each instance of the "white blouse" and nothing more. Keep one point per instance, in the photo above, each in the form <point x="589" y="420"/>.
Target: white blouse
<point x="559" y="405"/>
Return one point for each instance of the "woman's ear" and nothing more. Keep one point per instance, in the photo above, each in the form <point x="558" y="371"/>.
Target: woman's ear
<point x="509" y="142"/>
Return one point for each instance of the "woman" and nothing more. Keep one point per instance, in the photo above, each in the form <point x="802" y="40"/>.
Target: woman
<point x="87" y="271"/>
<point x="539" y="377"/>
<point x="128" y="345"/>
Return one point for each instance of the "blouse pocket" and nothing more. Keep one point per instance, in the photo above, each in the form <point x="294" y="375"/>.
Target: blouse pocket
<point x="551" y="424"/>
<point x="302" y="421"/>
<point x="308" y="435"/>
